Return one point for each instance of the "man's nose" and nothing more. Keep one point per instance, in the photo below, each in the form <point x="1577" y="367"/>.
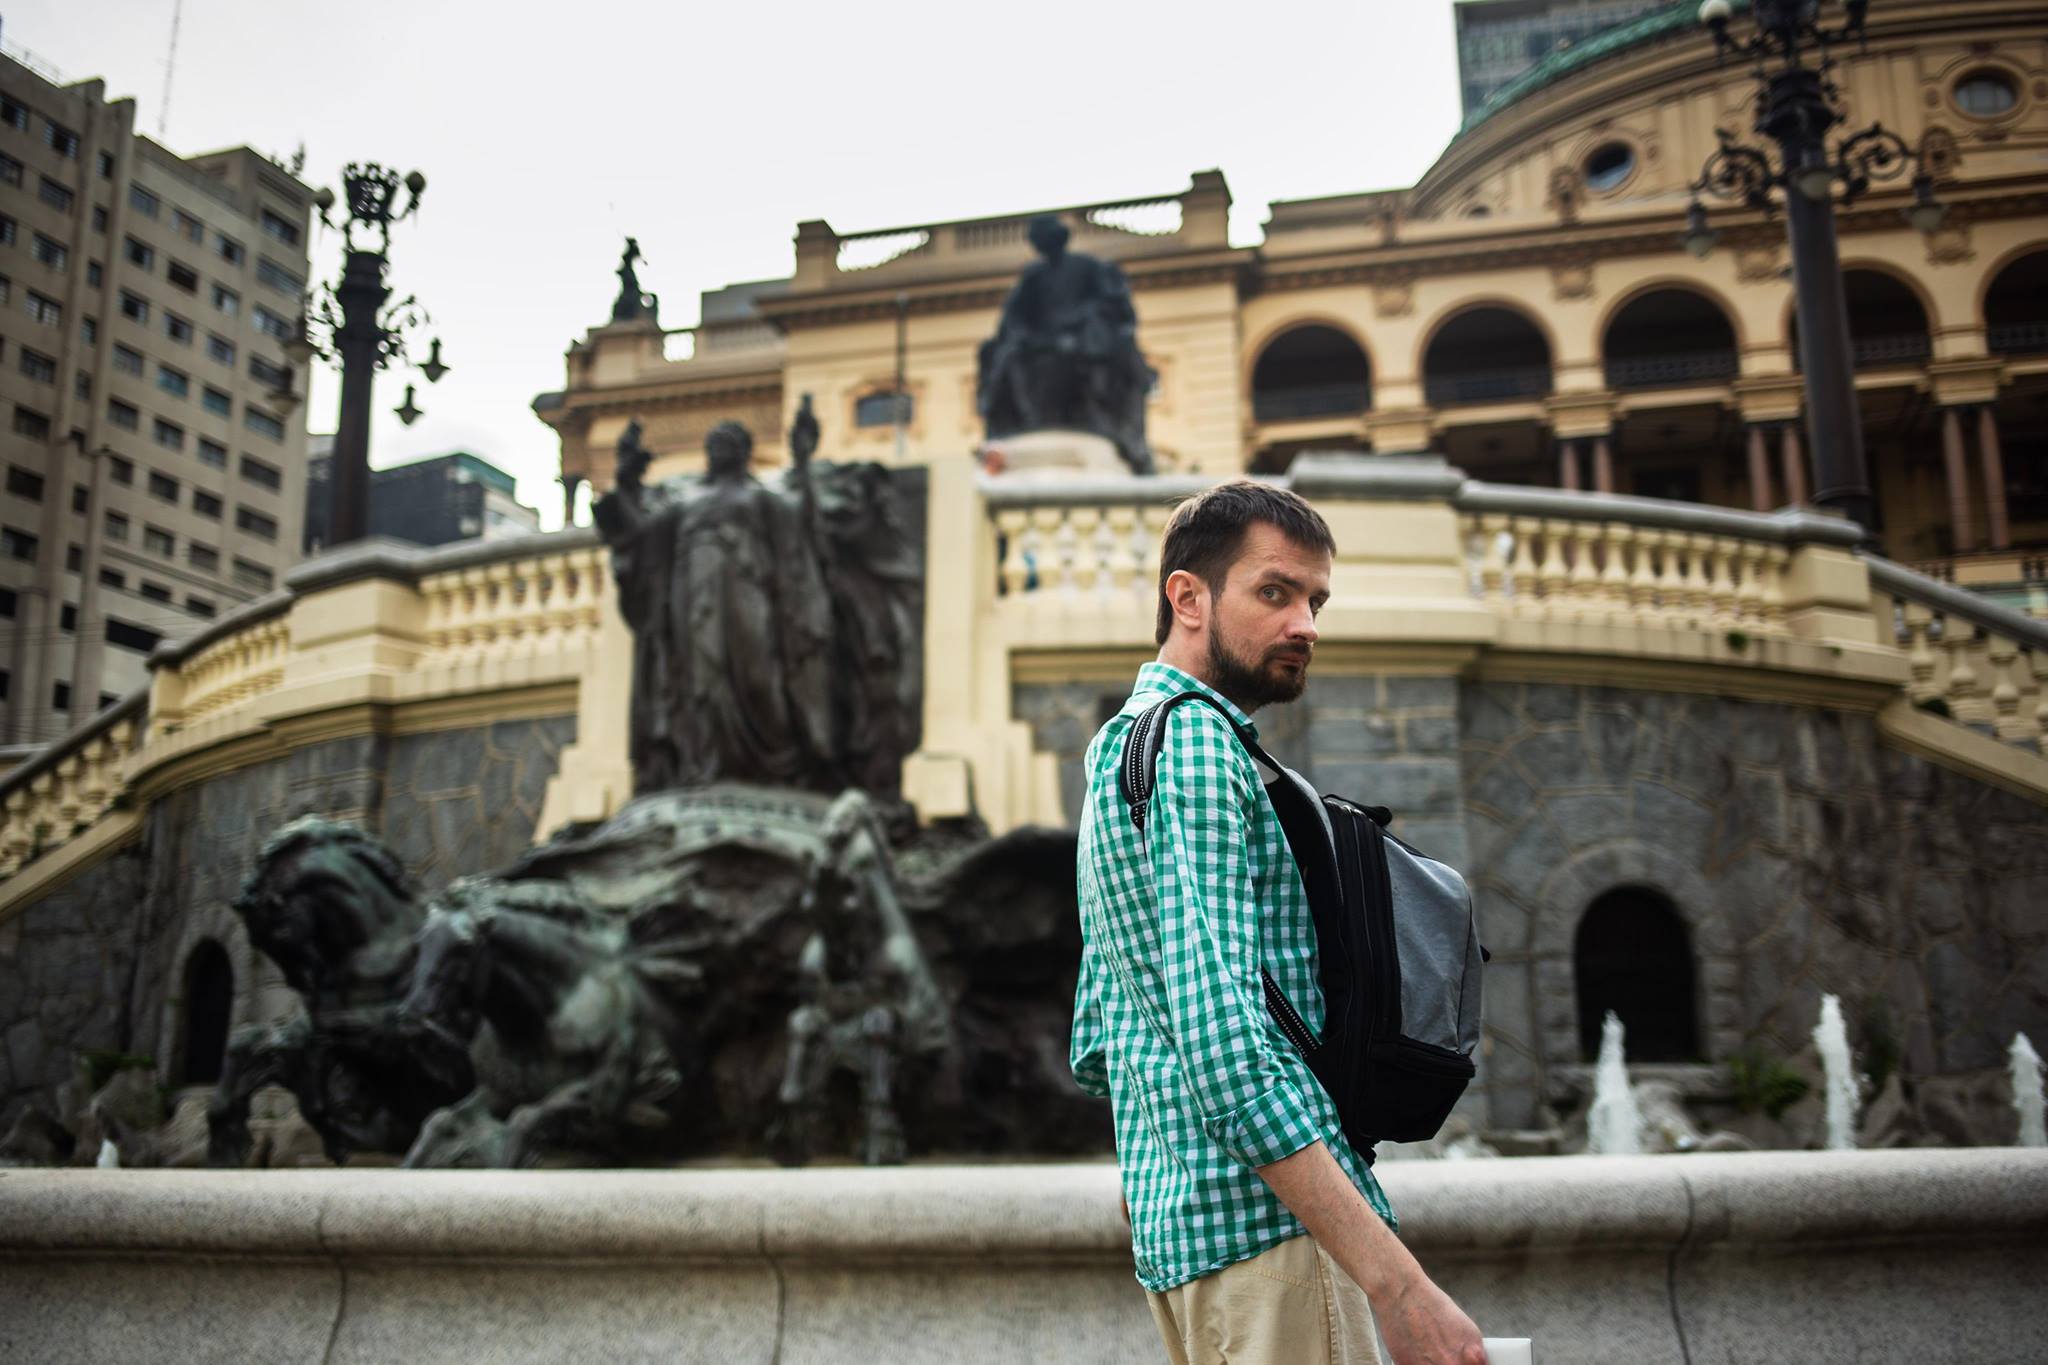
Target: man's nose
<point x="1303" y="626"/>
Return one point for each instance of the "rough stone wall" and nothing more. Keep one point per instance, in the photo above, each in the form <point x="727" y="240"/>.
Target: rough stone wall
<point x="1803" y="855"/>
<point x="99" y="963"/>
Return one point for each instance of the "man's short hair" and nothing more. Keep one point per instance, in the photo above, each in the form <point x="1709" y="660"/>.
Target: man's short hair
<point x="1206" y="533"/>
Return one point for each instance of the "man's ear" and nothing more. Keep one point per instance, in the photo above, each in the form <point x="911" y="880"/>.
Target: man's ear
<point x="1188" y="596"/>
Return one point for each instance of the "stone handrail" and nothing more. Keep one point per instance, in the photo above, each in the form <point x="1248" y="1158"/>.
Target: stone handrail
<point x="479" y="615"/>
<point x="1602" y="1260"/>
<point x="1983" y="664"/>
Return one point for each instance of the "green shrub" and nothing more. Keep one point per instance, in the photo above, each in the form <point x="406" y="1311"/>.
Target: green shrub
<point x="1764" y="1085"/>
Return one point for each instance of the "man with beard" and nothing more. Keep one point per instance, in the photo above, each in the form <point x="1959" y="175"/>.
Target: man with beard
<point x="1258" y="1232"/>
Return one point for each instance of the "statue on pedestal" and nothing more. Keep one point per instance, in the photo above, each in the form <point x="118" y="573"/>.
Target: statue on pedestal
<point x="631" y="303"/>
<point x="1065" y="355"/>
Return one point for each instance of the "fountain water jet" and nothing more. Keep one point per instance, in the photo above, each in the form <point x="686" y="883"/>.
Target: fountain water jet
<point x="1614" y="1126"/>
<point x="2026" y="1092"/>
<point x="1831" y="1036"/>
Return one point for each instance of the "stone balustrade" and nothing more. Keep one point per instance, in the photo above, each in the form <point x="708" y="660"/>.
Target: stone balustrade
<point x="1970" y="659"/>
<point x="379" y="622"/>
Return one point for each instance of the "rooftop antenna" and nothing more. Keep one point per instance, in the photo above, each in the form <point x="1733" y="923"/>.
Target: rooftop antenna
<point x="163" y="116"/>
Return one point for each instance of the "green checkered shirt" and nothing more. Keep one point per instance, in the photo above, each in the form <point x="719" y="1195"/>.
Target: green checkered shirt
<point x="1170" y="1020"/>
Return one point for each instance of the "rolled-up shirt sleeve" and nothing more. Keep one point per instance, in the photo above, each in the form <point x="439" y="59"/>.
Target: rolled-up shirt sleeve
<point x="1087" y="1052"/>
<point x="1199" y="829"/>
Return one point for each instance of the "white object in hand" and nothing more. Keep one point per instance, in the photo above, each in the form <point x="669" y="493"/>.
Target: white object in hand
<point x="1509" y="1351"/>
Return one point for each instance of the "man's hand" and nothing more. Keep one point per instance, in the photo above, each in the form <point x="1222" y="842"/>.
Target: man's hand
<point x="1421" y="1324"/>
<point x="1423" y="1327"/>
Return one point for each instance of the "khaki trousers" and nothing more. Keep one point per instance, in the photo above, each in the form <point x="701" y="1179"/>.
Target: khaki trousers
<point x="1290" y="1305"/>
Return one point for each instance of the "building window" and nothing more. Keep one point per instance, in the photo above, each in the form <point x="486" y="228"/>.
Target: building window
<point x="163" y="486"/>
<point x="81" y="497"/>
<point x="74" y="559"/>
<point x="60" y="696"/>
<point x="14" y="114"/>
<point x="50" y="252"/>
<point x="202" y="557"/>
<point x="1609" y="166"/>
<point x="182" y="276"/>
<point x="127" y="360"/>
<point x="200" y="606"/>
<point x="275" y="276"/>
<point x="154" y="592"/>
<point x="30" y="423"/>
<point x="37" y="366"/>
<point x="262" y="423"/>
<point x="67" y="618"/>
<point x="9" y="229"/>
<point x="128" y="635"/>
<point x="81" y="387"/>
<point x="879" y="409"/>
<point x="140" y="254"/>
<point x="216" y="402"/>
<point x="44" y="309"/>
<point x="60" y="140"/>
<point x="55" y="195"/>
<point x="280" y="228"/>
<point x="120" y="470"/>
<point x="143" y="202"/>
<point x="94" y="275"/>
<point x="169" y="435"/>
<point x="228" y="249"/>
<point x="273" y="377"/>
<point x="24" y="483"/>
<point x="134" y="307"/>
<point x="158" y="541"/>
<point x="88" y="328"/>
<point x="174" y="382"/>
<point x="188" y="227"/>
<point x="7" y="603"/>
<point x="206" y="504"/>
<point x="117" y="527"/>
<point x="219" y="349"/>
<point x="178" y="329"/>
<point x="99" y="218"/>
<point x="255" y="523"/>
<point x="213" y="454"/>
<point x="271" y="324"/>
<point x="227" y="300"/>
<point x="6" y="289"/>
<point x="252" y="575"/>
<point x="10" y="170"/>
<point x="261" y="474"/>
<point x="1986" y="94"/>
<point x="114" y="578"/>
<point x="18" y="544"/>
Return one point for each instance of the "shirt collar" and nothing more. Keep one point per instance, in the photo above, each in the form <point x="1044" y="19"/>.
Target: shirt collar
<point x="1171" y="681"/>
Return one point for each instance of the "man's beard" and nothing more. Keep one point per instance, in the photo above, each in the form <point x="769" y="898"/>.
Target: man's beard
<point x="1252" y="684"/>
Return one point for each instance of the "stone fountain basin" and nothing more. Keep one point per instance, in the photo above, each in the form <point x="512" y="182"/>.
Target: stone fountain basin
<point x="1765" y="1256"/>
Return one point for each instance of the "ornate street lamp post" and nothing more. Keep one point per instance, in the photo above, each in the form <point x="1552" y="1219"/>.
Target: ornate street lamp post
<point x="1797" y="105"/>
<point x="365" y="336"/>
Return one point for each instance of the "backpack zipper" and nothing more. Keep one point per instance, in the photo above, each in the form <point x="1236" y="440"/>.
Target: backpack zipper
<point x="1283" y="1012"/>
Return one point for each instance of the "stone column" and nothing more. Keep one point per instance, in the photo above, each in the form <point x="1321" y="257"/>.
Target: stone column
<point x="1993" y="458"/>
<point x="1568" y="465"/>
<point x="1759" y="469"/>
<point x="1958" y="480"/>
<point x="1793" y="459"/>
<point x="570" y="483"/>
<point x="1603" y="463"/>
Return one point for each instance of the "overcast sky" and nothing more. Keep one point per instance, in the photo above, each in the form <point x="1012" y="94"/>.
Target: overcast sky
<point x="548" y="132"/>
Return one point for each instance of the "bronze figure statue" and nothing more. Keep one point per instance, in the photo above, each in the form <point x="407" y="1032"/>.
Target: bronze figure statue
<point x="1065" y="355"/>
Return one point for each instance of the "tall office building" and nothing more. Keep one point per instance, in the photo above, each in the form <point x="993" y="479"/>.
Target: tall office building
<point x="1500" y="39"/>
<point x="433" y="501"/>
<point x="153" y="448"/>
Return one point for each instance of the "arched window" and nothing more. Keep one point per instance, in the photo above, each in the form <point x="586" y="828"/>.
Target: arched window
<point x="2016" y="307"/>
<point x="1668" y="338"/>
<point x="209" y="998"/>
<point x="1310" y="371"/>
<point x="1486" y="355"/>
<point x="1633" y="956"/>
<point x="1887" y="325"/>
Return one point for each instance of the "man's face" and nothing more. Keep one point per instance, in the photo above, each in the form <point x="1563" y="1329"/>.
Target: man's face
<point x="1262" y="623"/>
<point x="725" y="455"/>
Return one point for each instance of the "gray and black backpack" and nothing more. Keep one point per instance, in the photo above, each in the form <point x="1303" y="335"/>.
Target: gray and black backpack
<point x="1397" y="945"/>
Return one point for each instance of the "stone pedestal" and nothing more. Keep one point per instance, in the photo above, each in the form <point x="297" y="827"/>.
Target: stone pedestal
<point x="1059" y="455"/>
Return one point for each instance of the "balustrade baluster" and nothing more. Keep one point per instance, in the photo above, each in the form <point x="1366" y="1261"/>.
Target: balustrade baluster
<point x="1749" y="596"/>
<point x="1698" y="596"/>
<point x="1087" y="552"/>
<point x="1620" y="540"/>
<point x="1494" y="538"/>
<point x="1055" y="532"/>
<point x="1723" y="557"/>
<point x="2003" y="656"/>
<point x="1550" y="570"/>
<point x="1582" y="575"/>
<point x="1920" y="657"/>
<point x="1645" y="590"/>
<point x="1012" y="524"/>
<point x="1124" y="559"/>
<point x="1521" y="571"/>
<point x="1963" y="690"/>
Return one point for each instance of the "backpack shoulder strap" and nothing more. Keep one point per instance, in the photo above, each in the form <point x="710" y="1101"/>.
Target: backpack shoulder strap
<point x="1138" y="770"/>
